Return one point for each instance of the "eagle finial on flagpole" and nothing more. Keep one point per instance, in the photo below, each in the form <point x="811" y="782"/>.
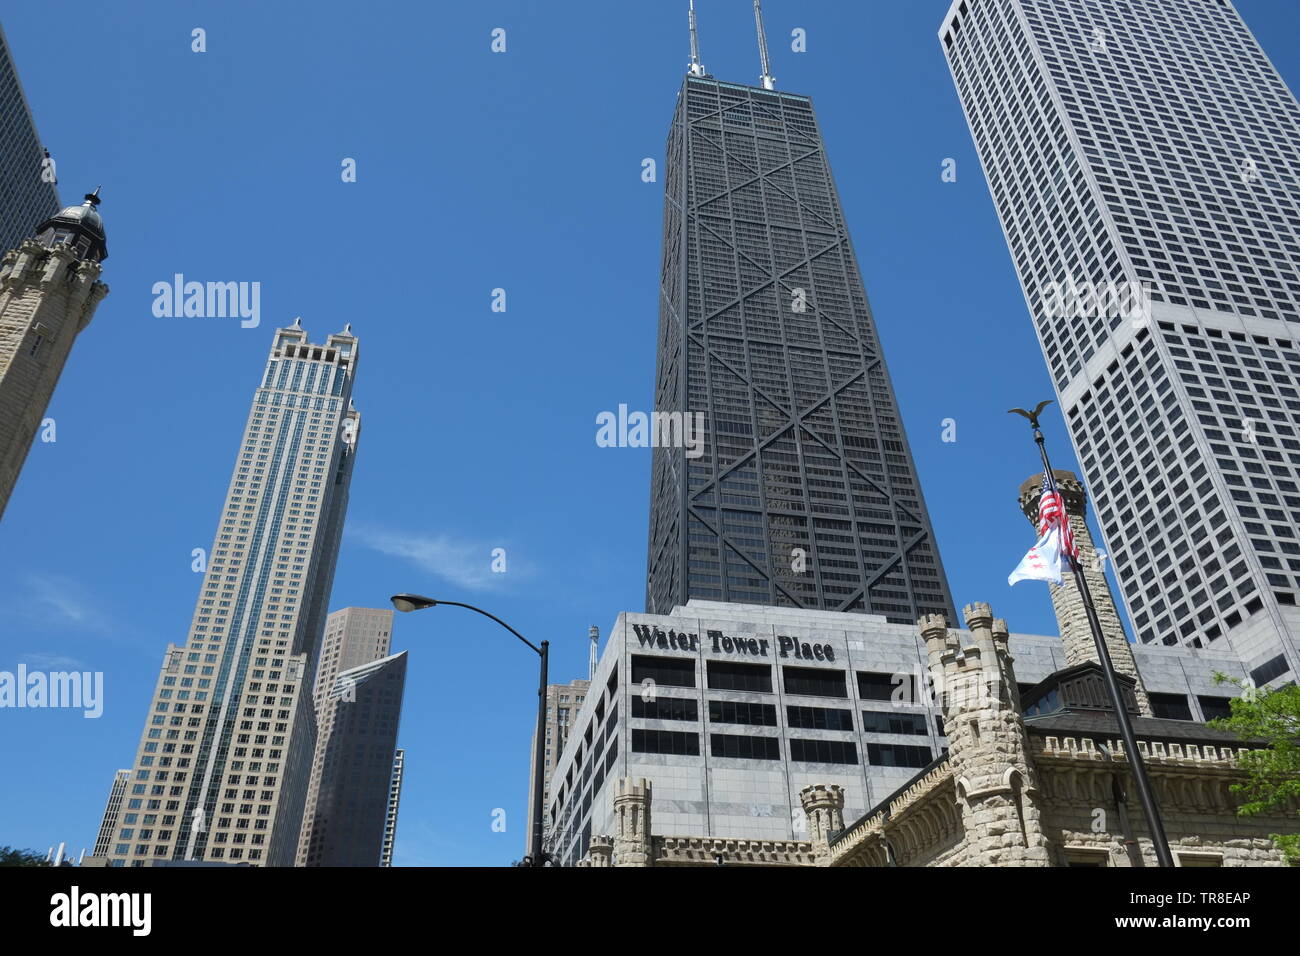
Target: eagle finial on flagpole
<point x="1032" y="416"/>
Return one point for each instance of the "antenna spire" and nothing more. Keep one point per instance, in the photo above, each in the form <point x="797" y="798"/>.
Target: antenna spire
<point x="767" y="79"/>
<point x="696" y="68"/>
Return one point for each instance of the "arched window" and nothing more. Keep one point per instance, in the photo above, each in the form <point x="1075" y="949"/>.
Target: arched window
<point x="1016" y="782"/>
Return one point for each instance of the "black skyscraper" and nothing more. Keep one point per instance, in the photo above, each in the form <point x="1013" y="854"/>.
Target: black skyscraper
<point x="803" y="492"/>
<point x="28" y="195"/>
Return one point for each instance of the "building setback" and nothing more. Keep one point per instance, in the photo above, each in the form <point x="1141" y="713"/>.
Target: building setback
<point x="358" y="709"/>
<point x="224" y="761"/>
<point x="801" y="490"/>
<point x="1142" y="158"/>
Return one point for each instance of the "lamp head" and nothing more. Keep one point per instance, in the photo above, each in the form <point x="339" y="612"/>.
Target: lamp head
<point x="411" y="602"/>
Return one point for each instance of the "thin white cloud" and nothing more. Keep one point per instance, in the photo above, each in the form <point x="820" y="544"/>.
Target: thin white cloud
<point x="462" y="563"/>
<point x="52" y="662"/>
<point x="419" y="844"/>
<point x="59" y="600"/>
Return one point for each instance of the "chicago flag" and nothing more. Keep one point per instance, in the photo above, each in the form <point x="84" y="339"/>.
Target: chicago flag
<point x="1043" y="562"/>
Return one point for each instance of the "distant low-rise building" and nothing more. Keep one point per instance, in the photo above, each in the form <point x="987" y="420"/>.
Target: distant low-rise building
<point x="562" y="704"/>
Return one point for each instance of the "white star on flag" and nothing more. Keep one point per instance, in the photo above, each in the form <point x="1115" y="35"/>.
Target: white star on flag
<point x="1043" y="562"/>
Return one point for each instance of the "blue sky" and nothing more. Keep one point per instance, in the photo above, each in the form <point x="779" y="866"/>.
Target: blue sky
<point x="475" y="171"/>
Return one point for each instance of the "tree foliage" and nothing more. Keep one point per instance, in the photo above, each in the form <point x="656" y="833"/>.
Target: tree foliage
<point x="1273" y="773"/>
<point x="11" y="856"/>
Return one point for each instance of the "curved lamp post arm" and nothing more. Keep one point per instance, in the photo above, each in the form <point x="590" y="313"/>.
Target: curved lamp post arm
<point x="416" y="602"/>
<point x="535" y="649"/>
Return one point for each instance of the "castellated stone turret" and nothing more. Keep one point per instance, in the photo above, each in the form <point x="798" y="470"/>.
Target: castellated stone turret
<point x="632" y="813"/>
<point x="49" y="290"/>
<point x="824" y="808"/>
<point x="599" y="852"/>
<point x="1067" y="601"/>
<point x="987" y="743"/>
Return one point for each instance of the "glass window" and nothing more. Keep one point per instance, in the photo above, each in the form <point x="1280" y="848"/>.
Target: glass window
<point x="665" y="742"/>
<point x="751" y="677"/>
<point x="753" y="748"/>
<point x="742" y="712"/>
<point x="814" y="681"/>
<point x="823" y="751"/>
<point x="818" y="718"/>
<point x="670" y="671"/>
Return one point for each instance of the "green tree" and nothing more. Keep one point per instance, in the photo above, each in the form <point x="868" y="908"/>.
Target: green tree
<point x="1273" y="779"/>
<point x="10" y="856"/>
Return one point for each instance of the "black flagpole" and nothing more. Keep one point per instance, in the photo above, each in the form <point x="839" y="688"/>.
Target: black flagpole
<point x="1159" y="842"/>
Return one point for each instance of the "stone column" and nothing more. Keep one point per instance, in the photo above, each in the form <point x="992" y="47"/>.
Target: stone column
<point x="1071" y="617"/>
<point x="632" y="845"/>
<point x="824" y="808"/>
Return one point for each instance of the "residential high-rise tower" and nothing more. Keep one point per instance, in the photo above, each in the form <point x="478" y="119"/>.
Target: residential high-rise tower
<point x="223" y="765"/>
<point x="1142" y="158"/>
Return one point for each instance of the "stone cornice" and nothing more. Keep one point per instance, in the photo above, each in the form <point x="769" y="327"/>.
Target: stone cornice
<point x="1158" y="752"/>
<point x="935" y="785"/>
<point x="703" y="851"/>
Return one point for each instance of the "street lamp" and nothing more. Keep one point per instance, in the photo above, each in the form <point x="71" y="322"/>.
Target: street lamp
<point x="416" y="602"/>
<point x="412" y="602"/>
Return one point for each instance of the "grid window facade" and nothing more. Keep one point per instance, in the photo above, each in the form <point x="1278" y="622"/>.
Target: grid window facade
<point x="225" y="759"/>
<point x="26" y="197"/>
<point x="1152" y="147"/>
<point x="804" y="492"/>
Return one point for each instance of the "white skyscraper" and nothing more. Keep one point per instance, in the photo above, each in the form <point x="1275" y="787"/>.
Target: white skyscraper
<point x="1143" y="158"/>
<point x="224" y="761"/>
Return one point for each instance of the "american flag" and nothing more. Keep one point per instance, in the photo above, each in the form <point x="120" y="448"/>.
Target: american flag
<point x="1051" y="510"/>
